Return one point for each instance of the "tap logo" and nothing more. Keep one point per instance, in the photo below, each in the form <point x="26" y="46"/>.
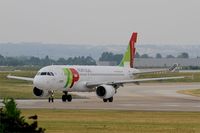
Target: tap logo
<point x="72" y="77"/>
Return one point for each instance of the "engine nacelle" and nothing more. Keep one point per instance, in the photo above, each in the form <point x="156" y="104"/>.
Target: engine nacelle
<point x="105" y="91"/>
<point x="40" y="93"/>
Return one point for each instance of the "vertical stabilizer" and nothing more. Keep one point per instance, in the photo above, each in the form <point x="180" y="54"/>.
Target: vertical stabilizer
<point x="128" y="58"/>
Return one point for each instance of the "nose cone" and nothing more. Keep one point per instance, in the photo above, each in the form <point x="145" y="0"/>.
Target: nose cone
<point x="39" y="82"/>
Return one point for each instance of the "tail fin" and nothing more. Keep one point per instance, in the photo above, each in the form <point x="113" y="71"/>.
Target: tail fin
<point x="128" y="58"/>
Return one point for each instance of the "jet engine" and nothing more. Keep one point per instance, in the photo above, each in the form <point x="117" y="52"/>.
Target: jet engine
<point x="105" y="91"/>
<point x="40" y="93"/>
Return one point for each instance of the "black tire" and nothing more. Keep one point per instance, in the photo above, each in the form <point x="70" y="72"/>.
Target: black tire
<point x="110" y="99"/>
<point x="69" y="98"/>
<point x="64" y="98"/>
<point x="105" y="100"/>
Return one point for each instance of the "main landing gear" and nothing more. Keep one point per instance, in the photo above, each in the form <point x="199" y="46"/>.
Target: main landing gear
<point x="66" y="97"/>
<point x="109" y="99"/>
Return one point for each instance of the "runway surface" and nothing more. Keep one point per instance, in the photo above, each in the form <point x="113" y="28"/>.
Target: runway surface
<point x="146" y="97"/>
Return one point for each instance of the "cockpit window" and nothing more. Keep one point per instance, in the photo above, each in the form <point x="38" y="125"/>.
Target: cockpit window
<point x="38" y="73"/>
<point x="45" y="73"/>
<point x="51" y="74"/>
<point x="48" y="73"/>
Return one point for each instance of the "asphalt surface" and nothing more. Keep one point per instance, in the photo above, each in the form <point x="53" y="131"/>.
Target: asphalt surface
<point x="145" y="97"/>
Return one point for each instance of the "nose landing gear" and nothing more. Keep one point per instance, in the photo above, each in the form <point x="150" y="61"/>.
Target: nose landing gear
<point x="109" y="99"/>
<point x="66" y="97"/>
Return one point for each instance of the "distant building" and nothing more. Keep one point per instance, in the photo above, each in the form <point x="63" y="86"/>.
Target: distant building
<point x="157" y="62"/>
<point x="106" y="63"/>
<point x="166" y="62"/>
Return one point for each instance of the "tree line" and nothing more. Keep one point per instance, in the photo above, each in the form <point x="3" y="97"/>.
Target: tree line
<point x="36" y="61"/>
<point x="79" y="60"/>
<point x="158" y="56"/>
<point x="109" y="56"/>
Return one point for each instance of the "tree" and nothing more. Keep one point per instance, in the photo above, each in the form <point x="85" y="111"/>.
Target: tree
<point x="90" y="61"/>
<point x="118" y="58"/>
<point x="158" y="56"/>
<point x="13" y="122"/>
<point x="106" y="56"/>
<point x="137" y="55"/>
<point x="2" y="60"/>
<point x="61" y="61"/>
<point x="144" y="56"/>
<point x="11" y="61"/>
<point x="183" y="55"/>
<point x="47" y="61"/>
<point x="109" y="56"/>
<point x="170" y="56"/>
<point x="33" y="61"/>
<point x="80" y="60"/>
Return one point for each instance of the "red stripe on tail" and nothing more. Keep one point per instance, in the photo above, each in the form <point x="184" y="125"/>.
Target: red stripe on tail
<point x="132" y="48"/>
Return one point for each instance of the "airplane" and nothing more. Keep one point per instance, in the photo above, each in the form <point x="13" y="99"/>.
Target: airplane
<point x="104" y="80"/>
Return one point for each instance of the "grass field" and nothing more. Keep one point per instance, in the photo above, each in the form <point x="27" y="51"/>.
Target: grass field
<point x="100" y="121"/>
<point x="23" y="89"/>
<point x="193" y="92"/>
<point x="16" y="88"/>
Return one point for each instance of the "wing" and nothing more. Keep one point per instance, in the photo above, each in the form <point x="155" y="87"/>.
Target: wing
<point x="20" y="78"/>
<point x="137" y="81"/>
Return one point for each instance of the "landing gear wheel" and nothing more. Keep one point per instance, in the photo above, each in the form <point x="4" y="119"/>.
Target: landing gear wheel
<point x="69" y="98"/>
<point x="64" y="98"/>
<point x="105" y="100"/>
<point x="110" y="99"/>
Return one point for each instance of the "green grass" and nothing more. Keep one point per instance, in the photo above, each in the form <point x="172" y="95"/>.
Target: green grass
<point x="100" y="121"/>
<point x="16" y="88"/>
<point x="193" y="92"/>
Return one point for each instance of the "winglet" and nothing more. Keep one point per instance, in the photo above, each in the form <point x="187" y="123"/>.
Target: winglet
<point x="174" y="68"/>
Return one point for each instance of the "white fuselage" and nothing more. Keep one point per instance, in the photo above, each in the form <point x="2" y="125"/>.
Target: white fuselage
<point x="74" y="78"/>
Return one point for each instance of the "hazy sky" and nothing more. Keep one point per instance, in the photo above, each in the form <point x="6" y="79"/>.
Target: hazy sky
<point x="100" y="21"/>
